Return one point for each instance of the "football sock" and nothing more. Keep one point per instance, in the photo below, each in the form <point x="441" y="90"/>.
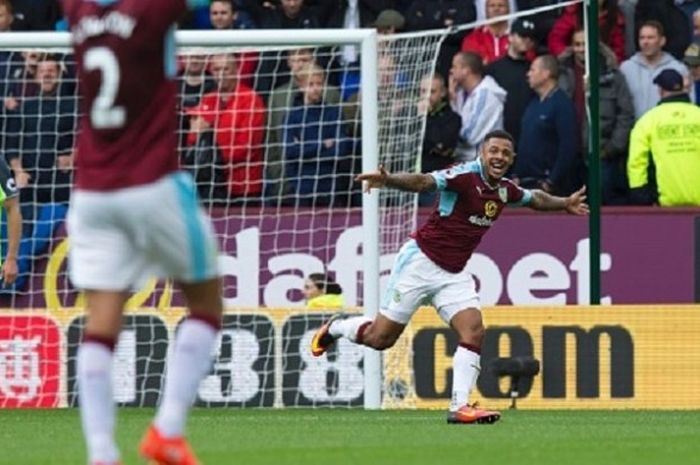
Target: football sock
<point x="349" y="327"/>
<point x="465" y="368"/>
<point x="190" y="361"/>
<point x="97" y="410"/>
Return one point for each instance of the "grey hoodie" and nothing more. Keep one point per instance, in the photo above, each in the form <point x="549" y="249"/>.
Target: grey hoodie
<point x="481" y="112"/>
<point x="640" y="76"/>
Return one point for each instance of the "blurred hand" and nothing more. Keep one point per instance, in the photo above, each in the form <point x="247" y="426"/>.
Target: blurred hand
<point x="575" y="203"/>
<point x="328" y="143"/>
<point x="374" y="179"/>
<point x="22" y="179"/>
<point x="546" y="186"/>
<point x="11" y="103"/>
<point x="452" y="87"/>
<point x="65" y="162"/>
<point x="198" y="125"/>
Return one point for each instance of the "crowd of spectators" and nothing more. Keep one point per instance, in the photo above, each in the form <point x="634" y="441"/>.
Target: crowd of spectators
<point x="281" y="126"/>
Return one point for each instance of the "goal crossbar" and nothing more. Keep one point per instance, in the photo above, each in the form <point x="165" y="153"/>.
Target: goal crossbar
<point x="366" y="39"/>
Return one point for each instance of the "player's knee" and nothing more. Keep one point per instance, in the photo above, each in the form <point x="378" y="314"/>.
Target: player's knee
<point x="380" y="341"/>
<point x="472" y="334"/>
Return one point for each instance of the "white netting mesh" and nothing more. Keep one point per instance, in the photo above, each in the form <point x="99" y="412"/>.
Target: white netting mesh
<point x="274" y="155"/>
<point x="274" y="165"/>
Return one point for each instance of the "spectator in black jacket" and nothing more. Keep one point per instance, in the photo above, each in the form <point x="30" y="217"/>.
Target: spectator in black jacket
<point x="441" y="130"/>
<point x="616" y="113"/>
<point x="40" y="151"/>
<point x="35" y="15"/>
<point x="436" y="14"/>
<point x="511" y="73"/>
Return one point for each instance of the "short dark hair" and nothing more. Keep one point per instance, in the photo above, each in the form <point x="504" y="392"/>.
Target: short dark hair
<point x="652" y="23"/>
<point x="230" y="3"/>
<point x="499" y="134"/>
<point x="473" y="61"/>
<point x="550" y="63"/>
<point x="325" y="283"/>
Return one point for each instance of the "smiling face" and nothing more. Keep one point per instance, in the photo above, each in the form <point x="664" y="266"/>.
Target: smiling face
<point x="497" y="156"/>
<point x="47" y="73"/>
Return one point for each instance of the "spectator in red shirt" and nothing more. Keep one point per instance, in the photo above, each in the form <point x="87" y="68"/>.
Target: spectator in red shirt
<point x="490" y="41"/>
<point x="224" y="16"/>
<point x="610" y="20"/>
<point x="234" y="117"/>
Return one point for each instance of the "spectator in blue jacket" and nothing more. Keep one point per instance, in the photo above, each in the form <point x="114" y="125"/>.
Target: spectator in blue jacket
<point x="547" y="147"/>
<point x="316" y="146"/>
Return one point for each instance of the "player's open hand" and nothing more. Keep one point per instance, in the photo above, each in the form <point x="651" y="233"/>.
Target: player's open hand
<point x="374" y="179"/>
<point x="576" y="203"/>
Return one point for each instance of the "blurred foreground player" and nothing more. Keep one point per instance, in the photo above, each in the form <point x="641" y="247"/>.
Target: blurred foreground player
<point x="430" y="267"/>
<point x="133" y="215"/>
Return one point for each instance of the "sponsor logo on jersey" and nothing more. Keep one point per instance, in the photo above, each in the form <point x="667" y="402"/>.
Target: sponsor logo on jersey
<point x="490" y="209"/>
<point x="480" y="221"/>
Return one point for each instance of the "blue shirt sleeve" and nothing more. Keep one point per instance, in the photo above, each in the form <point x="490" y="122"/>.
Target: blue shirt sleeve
<point x="524" y="200"/>
<point x="192" y="4"/>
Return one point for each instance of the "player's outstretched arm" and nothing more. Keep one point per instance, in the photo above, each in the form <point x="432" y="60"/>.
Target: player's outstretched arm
<point x="575" y="204"/>
<point x="412" y="182"/>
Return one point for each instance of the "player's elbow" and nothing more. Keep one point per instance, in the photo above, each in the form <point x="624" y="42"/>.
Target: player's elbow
<point x="427" y="184"/>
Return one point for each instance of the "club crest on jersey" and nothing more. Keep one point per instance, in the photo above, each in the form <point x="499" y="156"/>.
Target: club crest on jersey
<point x="490" y="209"/>
<point x="503" y="194"/>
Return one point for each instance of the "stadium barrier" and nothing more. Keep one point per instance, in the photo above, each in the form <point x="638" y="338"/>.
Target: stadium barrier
<point x="619" y="357"/>
<point x="518" y="262"/>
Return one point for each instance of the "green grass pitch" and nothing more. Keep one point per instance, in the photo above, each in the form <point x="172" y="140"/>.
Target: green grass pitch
<point x="324" y="436"/>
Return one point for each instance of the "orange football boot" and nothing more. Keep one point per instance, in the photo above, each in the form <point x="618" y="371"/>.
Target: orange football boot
<point x="469" y="414"/>
<point x="323" y="340"/>
<point x="166" y="451"/>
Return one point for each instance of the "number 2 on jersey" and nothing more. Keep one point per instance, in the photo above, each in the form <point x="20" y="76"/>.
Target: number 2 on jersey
<point x="104" y="114"/>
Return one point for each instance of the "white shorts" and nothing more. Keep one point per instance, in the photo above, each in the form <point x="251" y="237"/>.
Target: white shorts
<point x="119" y="239"/>
<point x="416" y="281"/>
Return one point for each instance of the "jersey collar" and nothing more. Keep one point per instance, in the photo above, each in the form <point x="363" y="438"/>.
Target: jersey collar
<point x="483" y="176"/>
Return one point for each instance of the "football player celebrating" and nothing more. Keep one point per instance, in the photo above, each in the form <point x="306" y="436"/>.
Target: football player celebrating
<point x="431" y="265"/>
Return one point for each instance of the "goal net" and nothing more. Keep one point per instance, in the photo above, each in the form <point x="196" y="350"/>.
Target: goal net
<point x="273" y="133"/>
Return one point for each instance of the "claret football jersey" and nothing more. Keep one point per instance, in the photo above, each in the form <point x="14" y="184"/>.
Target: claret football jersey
<point x="125" y="56"/>
<point x="466" y="209"/>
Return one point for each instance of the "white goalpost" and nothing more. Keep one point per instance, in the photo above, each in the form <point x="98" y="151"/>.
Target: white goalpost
<point x="270" y="242"/>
